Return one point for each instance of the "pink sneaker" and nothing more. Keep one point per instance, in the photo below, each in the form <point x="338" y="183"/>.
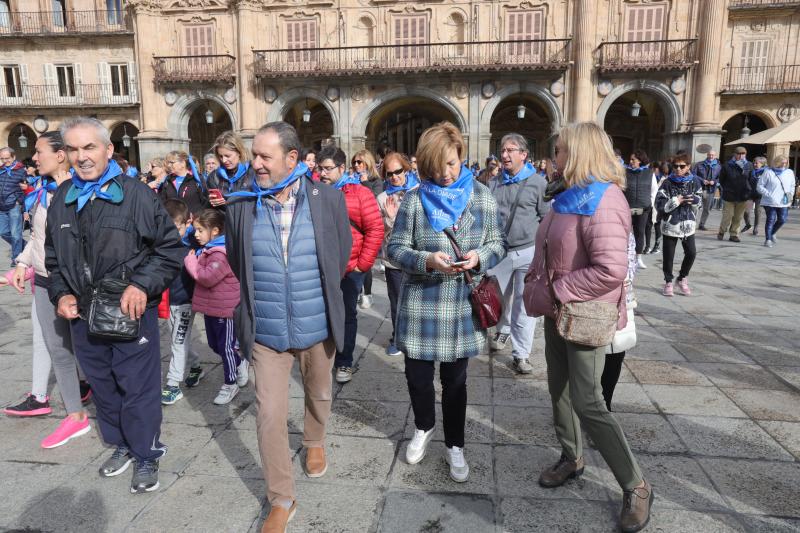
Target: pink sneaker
<point x="66" y="430"/>
<point x="668" y="291"/>
<point x="683" y="285"/>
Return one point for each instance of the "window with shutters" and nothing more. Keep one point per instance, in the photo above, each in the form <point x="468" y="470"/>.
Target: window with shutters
<point x="114" y="11"/>
<point x="120" y="83"/>
<point x="65" y="74"/>
<point x="198" y="40"/>
<point x="301" y="35"/>
<point x="12" y="82"/>
<point x="526" y="26"/>
<point x="753" y="59"/>
<point x="5" y="14"/>
<point x="410" y="30"/>
<point x="59" y="9"/>
<point x="645" y="23"/>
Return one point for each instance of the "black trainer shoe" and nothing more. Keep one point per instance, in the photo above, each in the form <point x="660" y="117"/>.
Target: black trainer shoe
<point x="86" y="391"/>
<point x="145" y="476"/>
<point x="30" y="406"/>
<point x="195" y="375"/>
<point x="118" y="463"/>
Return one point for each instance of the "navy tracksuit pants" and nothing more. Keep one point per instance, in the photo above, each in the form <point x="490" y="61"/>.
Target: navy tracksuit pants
<point x="221" y="339"/>
<point x="126" y="383"/>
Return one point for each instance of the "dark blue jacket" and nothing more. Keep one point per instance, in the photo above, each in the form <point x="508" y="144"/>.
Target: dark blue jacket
<point x="737" y="183"/>
<point x="10" y="192"/>
<point x="703" y="171"/>
<point x="182" y="287"/>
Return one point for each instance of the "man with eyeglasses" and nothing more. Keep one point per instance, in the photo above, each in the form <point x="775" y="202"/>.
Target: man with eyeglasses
<point x="707" y="171"/>
<point x="519" y="191"/>
<point x="736" y="179"/>
<point x="366" y="227"/>
<point x="12" y="174"/>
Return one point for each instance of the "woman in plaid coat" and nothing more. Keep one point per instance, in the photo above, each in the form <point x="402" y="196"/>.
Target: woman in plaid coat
<point x="434" y="318"/>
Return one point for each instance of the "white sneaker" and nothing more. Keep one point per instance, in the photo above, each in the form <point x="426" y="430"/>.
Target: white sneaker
<point x="366" y="301"/>
<point x="226" y="394"/>
<point x="242" y="373"/>
<point x="344" y="374"/>
<point x="459" y="469"/>
<point x="418" y="446"/>
<point x="640" y="263"/>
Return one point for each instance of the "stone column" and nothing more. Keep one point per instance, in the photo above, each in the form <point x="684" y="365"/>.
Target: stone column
<point x="583" y="39"/>
<point x="474" y="123"/>
<point x="246" y="28"/>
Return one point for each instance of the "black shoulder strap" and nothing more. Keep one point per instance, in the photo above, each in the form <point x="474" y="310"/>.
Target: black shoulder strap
<point x="356" y="226"/>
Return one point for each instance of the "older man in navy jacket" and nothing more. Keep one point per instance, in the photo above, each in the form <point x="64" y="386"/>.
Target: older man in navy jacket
<point x="288" y="241"/>
<point x="12" y="174"/>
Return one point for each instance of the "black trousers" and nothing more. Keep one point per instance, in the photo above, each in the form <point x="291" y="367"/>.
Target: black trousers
<point x="689" y="254"/>
<point x="650" y="228"/>
<point x="368" y="283"/>
<point x="639" y="223"/>
<point x="419" y="376"/>
<point x="394" y="280"/>
<point x="610" y="377"/>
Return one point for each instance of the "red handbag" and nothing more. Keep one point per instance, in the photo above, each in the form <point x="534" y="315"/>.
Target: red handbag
<point x="486" y="297"/>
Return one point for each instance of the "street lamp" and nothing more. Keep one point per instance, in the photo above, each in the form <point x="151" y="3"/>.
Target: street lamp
<point x="636" y="108"/>
<point x="22" y="140"/>
<point x="126" y="139"/>
<point x="520" y="111"/>
<point x="306" y="114"/>
<point x="209" y="117"/>
<point x="745" y="131"/>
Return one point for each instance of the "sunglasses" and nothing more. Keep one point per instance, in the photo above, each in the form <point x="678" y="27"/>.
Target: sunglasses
<point x="358" y="162"/>
<point x="394" y="172"/>
<point x="680" y="166"/>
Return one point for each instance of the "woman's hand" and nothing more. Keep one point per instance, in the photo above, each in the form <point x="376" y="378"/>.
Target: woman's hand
<point x="441" y="262"/>
<point x="392" y="207"/>
<point x="18" y="279"/>
<point x="217" y="201"/>
<point x="473" y="261"/>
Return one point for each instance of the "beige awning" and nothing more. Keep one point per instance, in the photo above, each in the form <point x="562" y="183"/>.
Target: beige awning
<point x="785" y="133"/>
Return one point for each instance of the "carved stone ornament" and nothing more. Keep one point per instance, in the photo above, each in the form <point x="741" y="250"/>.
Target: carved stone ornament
<point x="557" y="88"/>
<point x="230" y="95"/>
<point x="488" y="89"/>
<point x="170" y="97"/>
<point x="195" y="4"/>
<point x="759" y="26"/>
<point x="461" y="90"/>
<point x="332" y="94"/>
<point x="787" y="112"/>
<point x="145" y="5"/>
<point x="604" y="87"/>
<point x="678" y="85"/>
<point x="40" y="124"/>
<point x="359" y="93"/>
<point x="270" y="94"/>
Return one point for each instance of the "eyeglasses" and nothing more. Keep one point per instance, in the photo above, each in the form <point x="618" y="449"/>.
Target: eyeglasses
<point x="510" y="150"/>
<point x="680" y="166"/>
<point x="358" y="162"/>
<point x="397" y="172"/>
<point x="326" y="169"/>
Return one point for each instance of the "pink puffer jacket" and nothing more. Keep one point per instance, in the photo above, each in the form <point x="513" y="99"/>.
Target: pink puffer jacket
<point x="216" y="292"/>
<point x="587" y="256"/>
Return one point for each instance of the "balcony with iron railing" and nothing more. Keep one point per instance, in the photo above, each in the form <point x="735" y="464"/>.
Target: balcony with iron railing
<point x="219" y="68"/>
<point x="762" y="4"/>
<point x="39" y="23"/>
<point x="761" y="79"/>
<point x="638" y="56"/>
<point x="72" y="96"/>
<point x="479" y="56"/>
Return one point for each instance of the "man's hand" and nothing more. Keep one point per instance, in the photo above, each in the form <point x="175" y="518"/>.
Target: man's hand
<point x="133" y="302"/>
<point x="68" y="307"/>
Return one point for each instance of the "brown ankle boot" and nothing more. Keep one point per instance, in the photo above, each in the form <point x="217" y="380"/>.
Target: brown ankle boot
<point x="559" y="473"/>
<point x="278" y="519"/>
<point x="636" y="505"/>
<point x="316" y="464"/>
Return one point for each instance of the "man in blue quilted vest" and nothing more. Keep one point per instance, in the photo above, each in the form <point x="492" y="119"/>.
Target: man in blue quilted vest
<point x="288" y="241"/>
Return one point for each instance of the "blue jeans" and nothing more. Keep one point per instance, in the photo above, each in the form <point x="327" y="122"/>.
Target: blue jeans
<point x="11" y="229"/>
<point x="351" y="288"/>
<point x="776" y="218"/>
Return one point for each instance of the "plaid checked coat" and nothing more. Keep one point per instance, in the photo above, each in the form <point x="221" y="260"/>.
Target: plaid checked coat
<point x="434" y="316"/>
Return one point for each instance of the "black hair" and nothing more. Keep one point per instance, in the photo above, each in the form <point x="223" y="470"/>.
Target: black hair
<point x="641" y="155"/>
<point x="54" y="139"/>
<point x="211" y="218"/>
<point x="305" y="152"/>
<point x="333" y="152"/>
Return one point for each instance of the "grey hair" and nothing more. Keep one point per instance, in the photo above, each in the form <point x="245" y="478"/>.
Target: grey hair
<point x="515" y="138"/>
<point x="760" y="159"/>
<point x="208" y="157"/>
<point x="8" y="149"/>
<point x="75" y="122"/>
<point x="287" y="135"/>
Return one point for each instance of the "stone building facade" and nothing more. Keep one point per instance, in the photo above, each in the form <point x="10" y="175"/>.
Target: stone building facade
<point x="367" y="73"/>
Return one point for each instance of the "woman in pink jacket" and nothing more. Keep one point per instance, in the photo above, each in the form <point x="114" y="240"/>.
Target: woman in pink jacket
<point x="581" y="245"/>
<point x="216" y="295"/>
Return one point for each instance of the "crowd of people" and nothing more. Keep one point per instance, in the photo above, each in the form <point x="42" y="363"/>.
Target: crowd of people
<point x="275" y="247"/>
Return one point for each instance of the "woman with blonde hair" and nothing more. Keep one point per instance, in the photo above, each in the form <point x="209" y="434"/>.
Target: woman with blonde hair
<point x="435" y="321"/>
<point x="234" y="172"/>
<point x="363" y="164"/>
<point x="581" y="256"/>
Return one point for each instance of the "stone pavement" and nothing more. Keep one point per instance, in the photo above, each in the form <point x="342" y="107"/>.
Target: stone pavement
<point x="709" y="398"/>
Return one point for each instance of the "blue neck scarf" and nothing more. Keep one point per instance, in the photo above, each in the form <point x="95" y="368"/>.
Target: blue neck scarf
<point x="758" y="171"/>
<point x="241" y="170"/>
<point x="187" y="237"/>
<point x="778" y="171"/>
<point x="739" y="162"/>
<point x="347" y="179"/>
<point x="444" y="205"/>
<point x="525" y="172"/>
<point x="219" y="240"/>
<point x="641" y="167"/>
<point x="712" y="163"/>
<point x="195" y="173"/>
<point x="87" y="189"/>
<point x="39" y="194"/>
<point x="580" y="200"/>
<point x="259" y="193"/>
<point x="9" y="168"/>
<point x="674" y="178"/>
<point x="411" y="182"/>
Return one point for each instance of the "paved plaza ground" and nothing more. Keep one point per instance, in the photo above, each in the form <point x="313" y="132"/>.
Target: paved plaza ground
<point x="709" y="399"/>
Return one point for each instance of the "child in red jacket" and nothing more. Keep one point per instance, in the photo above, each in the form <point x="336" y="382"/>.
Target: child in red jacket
<point x="216" y="294"/>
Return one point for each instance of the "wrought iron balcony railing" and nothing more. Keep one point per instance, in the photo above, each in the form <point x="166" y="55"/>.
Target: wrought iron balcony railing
<point x="203" y="68"/>
<point x="762" y="4"/>
<point x="620" y="56"/>
<point x="38" y="23"/>
<point x="763" y="79"/>
<point x="83" y="95"/>
<point x="480" y="56"/>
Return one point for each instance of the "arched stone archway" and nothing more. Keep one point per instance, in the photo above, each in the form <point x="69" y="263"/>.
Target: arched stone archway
<point x="186" y="105"/>
<point x="131" y="152"/>
<point x="670" y="106"/>
<point x="539" y="93"/>
<point x="283" y="104"/>
<point x="13" y="140"/>
<point x="732" y="130"/>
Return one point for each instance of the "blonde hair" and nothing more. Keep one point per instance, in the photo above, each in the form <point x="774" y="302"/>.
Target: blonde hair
<point x="779" y="160"/>
<point x="400" y="158"/>
<point x="368" y="159"/>
<point x="590" y="154"/>
<point x="183" y="156"/>
<point x="231" y="140"/>
<point x="433" y="146"/>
